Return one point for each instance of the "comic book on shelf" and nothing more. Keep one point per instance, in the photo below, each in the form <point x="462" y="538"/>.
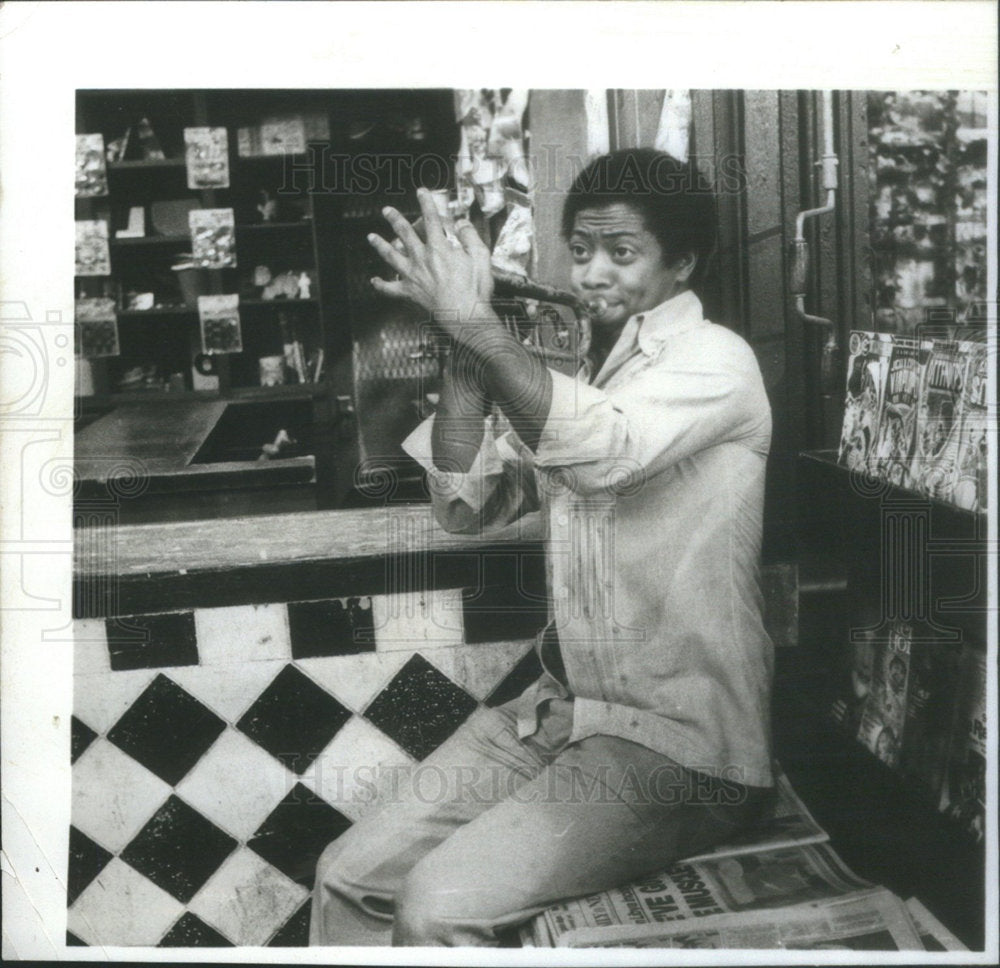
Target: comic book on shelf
<point x="206" y="154"/>
<point x="970" y="488"/>
<point x="866" y="372"/>
<point x="213" y="237"/>
<point x="871" y="920"/>
<point x="852" y="680"/>
<point x="932" y="470"/>
<point x="892" y="454"/>
<point x="930" y="709"/>
<point x="96" y="327"/>
<point x="963" y="795"/>
<point x="219" y="319"/>
<point x="93" y="257"/>
<point x="91" y="168"/>
<point x="883" y="714"/>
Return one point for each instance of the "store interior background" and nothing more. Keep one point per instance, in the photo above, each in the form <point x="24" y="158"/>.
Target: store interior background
<point x="904" y="244"/>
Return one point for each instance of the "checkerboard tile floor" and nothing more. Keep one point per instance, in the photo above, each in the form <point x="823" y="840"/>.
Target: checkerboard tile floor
<point x="215" y="752"/>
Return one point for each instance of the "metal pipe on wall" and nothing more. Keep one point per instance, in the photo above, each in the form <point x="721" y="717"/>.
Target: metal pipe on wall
<point x="799" y="283"/>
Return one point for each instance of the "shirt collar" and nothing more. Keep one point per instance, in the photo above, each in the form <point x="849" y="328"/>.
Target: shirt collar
<point x="677" y="315"/>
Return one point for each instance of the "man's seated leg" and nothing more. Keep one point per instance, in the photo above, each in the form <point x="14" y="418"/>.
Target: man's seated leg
<point x="360" y="873"/>
<point x="582" y="825"/>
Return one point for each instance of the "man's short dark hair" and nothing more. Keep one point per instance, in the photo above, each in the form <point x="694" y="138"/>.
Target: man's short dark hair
<point x="673" y="198"/>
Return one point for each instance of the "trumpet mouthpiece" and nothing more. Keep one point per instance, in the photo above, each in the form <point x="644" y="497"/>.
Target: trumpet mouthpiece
<point x="596" y="306"/>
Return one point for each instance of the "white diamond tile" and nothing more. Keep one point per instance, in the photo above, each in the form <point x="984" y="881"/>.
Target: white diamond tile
<point x="113" y="795"/>
<point x="90" y="647"/>
<point x="243" y="633"/>
<point x="354" y="679"/>
<point x="347" y="772"/>
<point x="410" y="620"/>
<point x="99" y="700"/>
<point x="479" y="668"/>
<point x="247" y="899"/>
<point x="121" y="907"/>
<point x="228" y="691"/>
<point x="236" y="784"/>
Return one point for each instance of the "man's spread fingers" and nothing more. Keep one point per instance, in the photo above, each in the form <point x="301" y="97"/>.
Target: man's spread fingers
<point x="432" y="221"/>
<point x="391" y="256"/>
<point x="469" y="237"/>
<point x="409" y="238"/>
<point x="392" y="289"/>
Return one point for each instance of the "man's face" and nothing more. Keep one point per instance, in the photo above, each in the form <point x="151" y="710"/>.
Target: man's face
<point x="617" y="259"/>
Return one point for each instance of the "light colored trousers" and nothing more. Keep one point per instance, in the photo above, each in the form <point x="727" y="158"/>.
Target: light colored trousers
<point x="491" y="829"/>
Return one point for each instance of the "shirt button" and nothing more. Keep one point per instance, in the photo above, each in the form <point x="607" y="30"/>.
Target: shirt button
<point x="562" y="591"/>
<point x="562" y="520"/>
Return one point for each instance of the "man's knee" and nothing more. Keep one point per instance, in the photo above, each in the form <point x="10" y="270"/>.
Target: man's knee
<point x="326" y="866"/>
<point x="426" y="910"/>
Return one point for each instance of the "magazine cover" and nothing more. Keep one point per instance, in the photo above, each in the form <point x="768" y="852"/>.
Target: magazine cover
<point x="96" y="327"/>
<point x="283" y="135"/>
<point x="93" y="258"/>
<point x="932" y="470"/>
<point x="883" y="716"/>
<point x="970" y="489"/>
<point x="206" y="152"/>
<point x="897" y="422"/>
<point x="964" y="794"/>
<point x="219" y="317"/>
<point x="213" y="237"/>
<point x="91" y="169"/>
<point x="930" y="709"/>
<point x="852" y="679"/>
<point x="866" y="372"/>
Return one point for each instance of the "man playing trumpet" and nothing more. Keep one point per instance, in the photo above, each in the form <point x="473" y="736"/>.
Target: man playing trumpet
<point x="646" y="739"/>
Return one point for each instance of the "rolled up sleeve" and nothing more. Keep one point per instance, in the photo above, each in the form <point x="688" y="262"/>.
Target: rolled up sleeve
<point x="497" y="489"/>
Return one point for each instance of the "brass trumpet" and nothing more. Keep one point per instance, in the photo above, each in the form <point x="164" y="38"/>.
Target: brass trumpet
<point x="542" y="329"/>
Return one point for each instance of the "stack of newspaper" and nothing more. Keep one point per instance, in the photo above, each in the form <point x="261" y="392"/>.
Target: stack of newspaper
<point x="780" y="886"/>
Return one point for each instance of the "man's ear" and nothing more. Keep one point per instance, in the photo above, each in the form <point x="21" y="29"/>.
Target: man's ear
<point x="685" y="265"/>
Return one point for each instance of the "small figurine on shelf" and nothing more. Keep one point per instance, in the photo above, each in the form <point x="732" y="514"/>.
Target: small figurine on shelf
<point x="284" y="286"/>
<point x="115" y="150"/>
<point x="267" y="206"/>
<point x="282" y="442"/>
<point x="148" y="142"/>
<point x="304" y="285"/>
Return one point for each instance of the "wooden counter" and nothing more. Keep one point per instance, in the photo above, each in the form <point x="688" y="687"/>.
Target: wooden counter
<point x="284" y="557"/>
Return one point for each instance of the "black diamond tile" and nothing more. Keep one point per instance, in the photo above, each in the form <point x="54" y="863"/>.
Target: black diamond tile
<point x="296" y="832"/>
<point x="295" y="931"/>
<point x="178" y="849"/>
<point x="152" y="641"/>
<point x="517" y="680"/>
<point x="72" y="941"/>
<point x="167" y="730"/>
<point x="192" y="932"/>
<point x="330" y="628"/>
<point x="86" y="861"/>
<point x="420" y="708"/>
<point x="80" y="737"/>
<point x="498" y="613"/>
<point x="294" y="719"/>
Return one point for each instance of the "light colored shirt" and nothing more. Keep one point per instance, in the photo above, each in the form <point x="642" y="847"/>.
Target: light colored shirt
<point x="651" y="483"/>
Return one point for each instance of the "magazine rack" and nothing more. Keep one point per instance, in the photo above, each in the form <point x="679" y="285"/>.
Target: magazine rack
<point x="868" y="548"/>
